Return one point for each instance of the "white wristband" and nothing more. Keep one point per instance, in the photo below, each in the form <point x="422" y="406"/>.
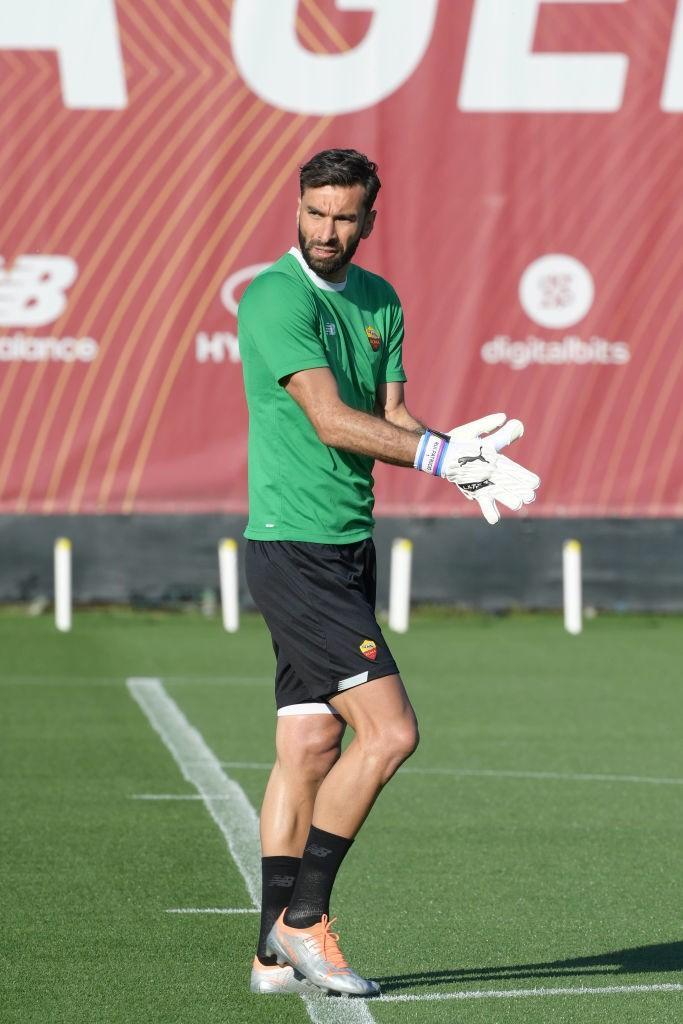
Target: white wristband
<point x="430" y="452"/>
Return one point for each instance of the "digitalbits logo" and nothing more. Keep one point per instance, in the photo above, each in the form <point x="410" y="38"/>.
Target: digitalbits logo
<point x="556" y="291"/>
<point x="33" y="293"/>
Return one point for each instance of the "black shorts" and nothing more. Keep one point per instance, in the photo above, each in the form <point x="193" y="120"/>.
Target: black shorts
<point x="318" y="601"/>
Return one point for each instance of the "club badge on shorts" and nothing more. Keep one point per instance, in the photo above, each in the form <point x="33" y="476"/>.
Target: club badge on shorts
<point x="369" y="649"/>
<point x="374" y="337"/>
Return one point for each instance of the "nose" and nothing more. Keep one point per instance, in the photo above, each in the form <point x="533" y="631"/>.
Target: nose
<point x="327" y="232"/>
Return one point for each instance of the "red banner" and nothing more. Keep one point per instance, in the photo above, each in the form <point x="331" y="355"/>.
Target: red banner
<point x="530" y="218"/>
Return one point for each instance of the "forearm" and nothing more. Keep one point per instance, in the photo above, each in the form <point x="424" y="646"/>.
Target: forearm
<point x="400" y="417"/>
<point x="360" y="432"/>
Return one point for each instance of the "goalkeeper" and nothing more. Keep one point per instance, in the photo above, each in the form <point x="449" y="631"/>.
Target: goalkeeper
<point x="320" y="340"/>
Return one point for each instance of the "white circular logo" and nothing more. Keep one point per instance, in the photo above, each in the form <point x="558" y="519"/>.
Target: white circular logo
<point x="556" y="291"/>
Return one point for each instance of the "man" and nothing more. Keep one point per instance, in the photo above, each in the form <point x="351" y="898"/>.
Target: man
<point x="321" y="340"/>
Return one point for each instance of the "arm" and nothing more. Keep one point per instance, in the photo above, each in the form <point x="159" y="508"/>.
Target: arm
<point x="468" y="461"/>
<point x="339" y="426"/>
<point x="390" y="406"/>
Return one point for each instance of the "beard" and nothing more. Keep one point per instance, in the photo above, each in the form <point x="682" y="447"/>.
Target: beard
<point x="337" y="260"/>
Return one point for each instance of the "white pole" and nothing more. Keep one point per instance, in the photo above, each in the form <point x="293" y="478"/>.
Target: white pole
<point x="399" y="585"/>
<point x="62" y="571"/>
<point x="227" y="561"/>
<point x="571" y="567"/>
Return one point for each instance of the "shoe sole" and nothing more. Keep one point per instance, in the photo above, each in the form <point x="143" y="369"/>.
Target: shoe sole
<point x="273" y="948"/>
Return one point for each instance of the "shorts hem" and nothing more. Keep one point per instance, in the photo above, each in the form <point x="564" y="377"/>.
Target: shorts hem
<point x="310" y="708"/>
<point x="360" y="678"/>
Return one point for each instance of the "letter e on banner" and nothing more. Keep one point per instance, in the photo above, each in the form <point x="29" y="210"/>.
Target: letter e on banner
<point x="501" y="73"/>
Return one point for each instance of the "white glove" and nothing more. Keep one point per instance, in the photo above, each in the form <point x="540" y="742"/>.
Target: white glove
<point x="463" y="456"/>
<point x="509" y="483"/>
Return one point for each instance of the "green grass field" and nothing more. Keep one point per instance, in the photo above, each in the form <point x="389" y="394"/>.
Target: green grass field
<point x="532" y="845"/>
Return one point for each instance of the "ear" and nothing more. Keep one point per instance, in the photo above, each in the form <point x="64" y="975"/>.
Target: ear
<point x="368" y="224"/>
<point x="298" y="211"/>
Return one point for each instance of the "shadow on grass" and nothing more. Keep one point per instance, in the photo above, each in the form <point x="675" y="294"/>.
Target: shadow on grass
<point x="667" y="956"/>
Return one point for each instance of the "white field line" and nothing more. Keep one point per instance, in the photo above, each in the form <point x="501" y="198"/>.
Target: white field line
<point x="496" y="774"/>
<point x="175" y="796"/>
<point x="119" y="681"/>
<point x="522" y="993"/>
<point x="233" y="814"/>
<point x="213" y="910"/>
<point x="560" y="776"/>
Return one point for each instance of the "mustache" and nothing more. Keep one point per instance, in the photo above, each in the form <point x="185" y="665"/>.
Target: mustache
<point x="321" y="245"/>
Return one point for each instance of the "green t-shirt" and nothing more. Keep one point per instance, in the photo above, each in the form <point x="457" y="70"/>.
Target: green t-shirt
<point x="290" y="319"/>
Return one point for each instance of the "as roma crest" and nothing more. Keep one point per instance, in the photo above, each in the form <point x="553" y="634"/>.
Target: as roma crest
<point x="374" y="337"/>
<point x="369" y="649"/>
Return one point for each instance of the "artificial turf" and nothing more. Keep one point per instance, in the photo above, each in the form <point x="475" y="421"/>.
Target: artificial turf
<point x="494" y="862"/>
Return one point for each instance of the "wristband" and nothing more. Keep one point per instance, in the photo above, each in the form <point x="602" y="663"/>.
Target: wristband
<point x="431" y="451"/>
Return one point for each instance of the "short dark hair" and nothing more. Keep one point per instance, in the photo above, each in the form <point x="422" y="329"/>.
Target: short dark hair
<point x="341" y="167"/>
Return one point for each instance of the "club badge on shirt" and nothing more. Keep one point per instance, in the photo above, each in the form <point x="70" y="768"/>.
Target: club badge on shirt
<point x="369" y="649"/>
<point x="374" y="337"/>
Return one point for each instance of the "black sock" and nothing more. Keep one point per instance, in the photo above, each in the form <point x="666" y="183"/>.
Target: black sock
<point x="322" y="858"/>
<point x="278" y="875"/>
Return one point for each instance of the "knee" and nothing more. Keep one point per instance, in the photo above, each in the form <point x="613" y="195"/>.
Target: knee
<point x="393" y="745"/>
<point x="313" y="756"/>
<point x="403" y="740"/>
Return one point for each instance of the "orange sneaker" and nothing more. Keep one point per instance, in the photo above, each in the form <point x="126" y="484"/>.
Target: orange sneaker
<point x="314" y="952"/>
<point x="277" y="980"/>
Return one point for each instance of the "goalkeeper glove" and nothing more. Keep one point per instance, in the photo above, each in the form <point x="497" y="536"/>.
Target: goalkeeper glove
<point x="463" y="456"/>
<point x="473" y="464"/>
<point x="508" y="483"/>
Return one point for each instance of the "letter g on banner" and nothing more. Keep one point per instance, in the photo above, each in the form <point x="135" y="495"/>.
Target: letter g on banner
<point x="275" y="65"/>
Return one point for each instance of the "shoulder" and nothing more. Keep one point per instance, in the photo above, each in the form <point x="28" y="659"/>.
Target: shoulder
<point x="277" y="296"/>
<point x="277" y="282"/>
<point x="377" y="285"/>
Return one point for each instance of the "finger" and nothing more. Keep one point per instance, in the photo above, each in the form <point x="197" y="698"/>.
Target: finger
<point x="489" y="510"/>
<point x="512" y="501"/>
<point x="477" y="427"/>
<point x="512" y="430"/>
<point x="506" y="470"/>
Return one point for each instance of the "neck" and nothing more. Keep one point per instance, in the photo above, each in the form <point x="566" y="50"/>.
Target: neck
<point x="333" y="283"/>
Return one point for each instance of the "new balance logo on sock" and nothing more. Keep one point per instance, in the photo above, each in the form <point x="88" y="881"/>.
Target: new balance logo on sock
<point x="317" y="851"/>
<point x="282" y="881"/>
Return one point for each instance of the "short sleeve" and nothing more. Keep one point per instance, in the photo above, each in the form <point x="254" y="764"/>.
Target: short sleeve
<point x="279" y="319"/>
<point x="393" y="360"/>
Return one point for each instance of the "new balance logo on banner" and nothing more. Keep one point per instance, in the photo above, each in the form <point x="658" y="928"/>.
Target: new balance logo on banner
<point x="33" y="293"/>
<point x="33" y="290"/>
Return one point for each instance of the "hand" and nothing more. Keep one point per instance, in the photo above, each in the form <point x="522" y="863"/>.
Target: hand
<point x="509" y="483"/>
<point x="468" y="457"/>
<point x="464" y="456"/>
<point x="471" y="458"/>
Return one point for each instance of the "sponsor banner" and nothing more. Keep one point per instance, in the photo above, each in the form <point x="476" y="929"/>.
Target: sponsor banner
<point x="529" y="220"/>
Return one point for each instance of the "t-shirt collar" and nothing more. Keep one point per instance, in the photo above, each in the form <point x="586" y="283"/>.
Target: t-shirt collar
<point x="320" y="282"/>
